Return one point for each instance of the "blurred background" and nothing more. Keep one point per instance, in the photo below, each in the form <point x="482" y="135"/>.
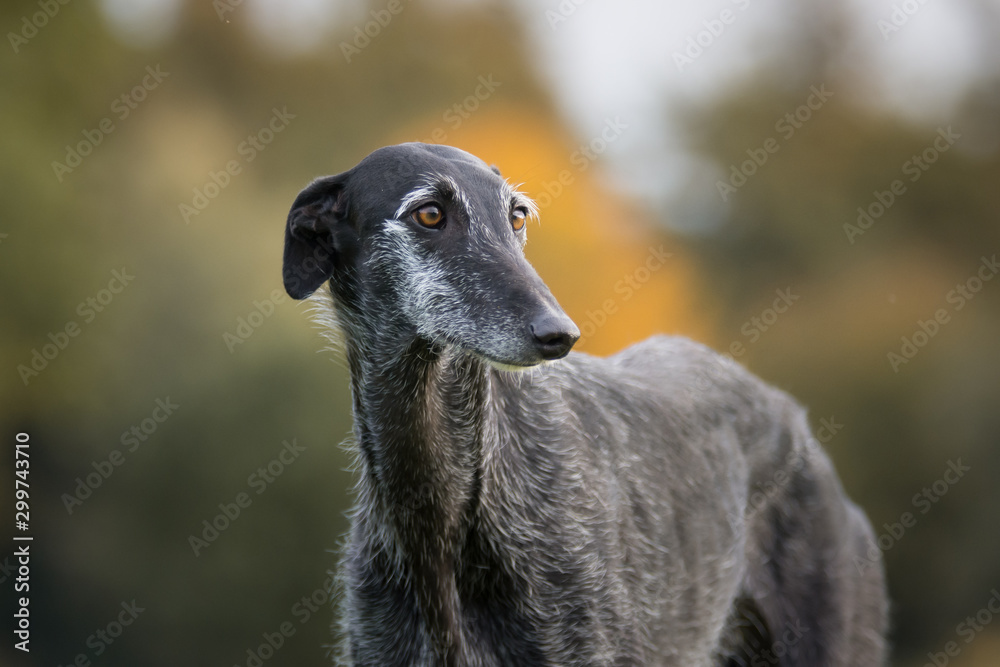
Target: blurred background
<point x="823" y="176"/>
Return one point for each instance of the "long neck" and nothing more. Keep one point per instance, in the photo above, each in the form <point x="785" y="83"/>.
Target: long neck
<point x="420" y="419"/>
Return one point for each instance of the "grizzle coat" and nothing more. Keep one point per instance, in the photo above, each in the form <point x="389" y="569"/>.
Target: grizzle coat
<point x="658" y="507"/>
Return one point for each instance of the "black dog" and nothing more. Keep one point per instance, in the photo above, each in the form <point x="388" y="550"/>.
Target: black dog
<point x="584" y="512"/>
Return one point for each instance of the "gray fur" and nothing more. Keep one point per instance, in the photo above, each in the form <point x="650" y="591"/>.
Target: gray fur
<point x="580" y="511"/>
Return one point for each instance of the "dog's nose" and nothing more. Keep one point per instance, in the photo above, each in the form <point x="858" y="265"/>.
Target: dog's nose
<point x="554" y="335"/>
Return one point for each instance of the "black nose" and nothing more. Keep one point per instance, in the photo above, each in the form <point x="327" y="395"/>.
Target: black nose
<point x="554" y="335"/>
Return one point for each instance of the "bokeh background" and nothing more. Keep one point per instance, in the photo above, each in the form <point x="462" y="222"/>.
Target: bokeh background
<point x="740" y="136"/>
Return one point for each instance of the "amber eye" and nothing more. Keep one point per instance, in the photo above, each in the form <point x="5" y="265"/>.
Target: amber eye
<point x="517" y="219"/>
<point x="430" y="215"/>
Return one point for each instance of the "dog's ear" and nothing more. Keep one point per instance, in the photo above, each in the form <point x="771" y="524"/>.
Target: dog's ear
<point x="310" y="235"/>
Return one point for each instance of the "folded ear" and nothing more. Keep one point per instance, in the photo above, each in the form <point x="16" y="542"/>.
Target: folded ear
<point x="310" y="235"/>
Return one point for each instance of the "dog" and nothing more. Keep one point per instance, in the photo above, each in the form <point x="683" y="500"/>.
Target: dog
<point x="518" y="504"/>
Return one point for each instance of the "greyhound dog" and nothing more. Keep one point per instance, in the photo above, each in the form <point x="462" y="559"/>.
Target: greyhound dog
<point x="520" y="505"/>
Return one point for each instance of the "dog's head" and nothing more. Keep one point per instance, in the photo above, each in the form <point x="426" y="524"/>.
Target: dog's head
<point x="432" y="238"/>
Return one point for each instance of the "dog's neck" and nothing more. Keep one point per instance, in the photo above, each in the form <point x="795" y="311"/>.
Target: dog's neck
<point x="421" y="412"/>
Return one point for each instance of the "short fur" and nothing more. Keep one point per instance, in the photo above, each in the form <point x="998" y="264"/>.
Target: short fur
<point x="658" y="507"/>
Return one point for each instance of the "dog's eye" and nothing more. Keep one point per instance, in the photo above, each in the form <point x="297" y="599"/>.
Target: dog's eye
<point x="430" y="215"/>
<point x="517" y="218"/>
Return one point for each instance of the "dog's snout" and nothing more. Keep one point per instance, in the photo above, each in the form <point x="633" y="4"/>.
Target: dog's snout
<point x="554" y="335"/>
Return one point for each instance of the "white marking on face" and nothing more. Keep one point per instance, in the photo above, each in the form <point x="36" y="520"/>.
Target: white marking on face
<point x="433" y="187"/>
<point x="445" y="306"/>
<point x="413" y="198"/>
<point x="421" y="280"/>
<point x="448" y="184"/>
<point x="511" y="196"/>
